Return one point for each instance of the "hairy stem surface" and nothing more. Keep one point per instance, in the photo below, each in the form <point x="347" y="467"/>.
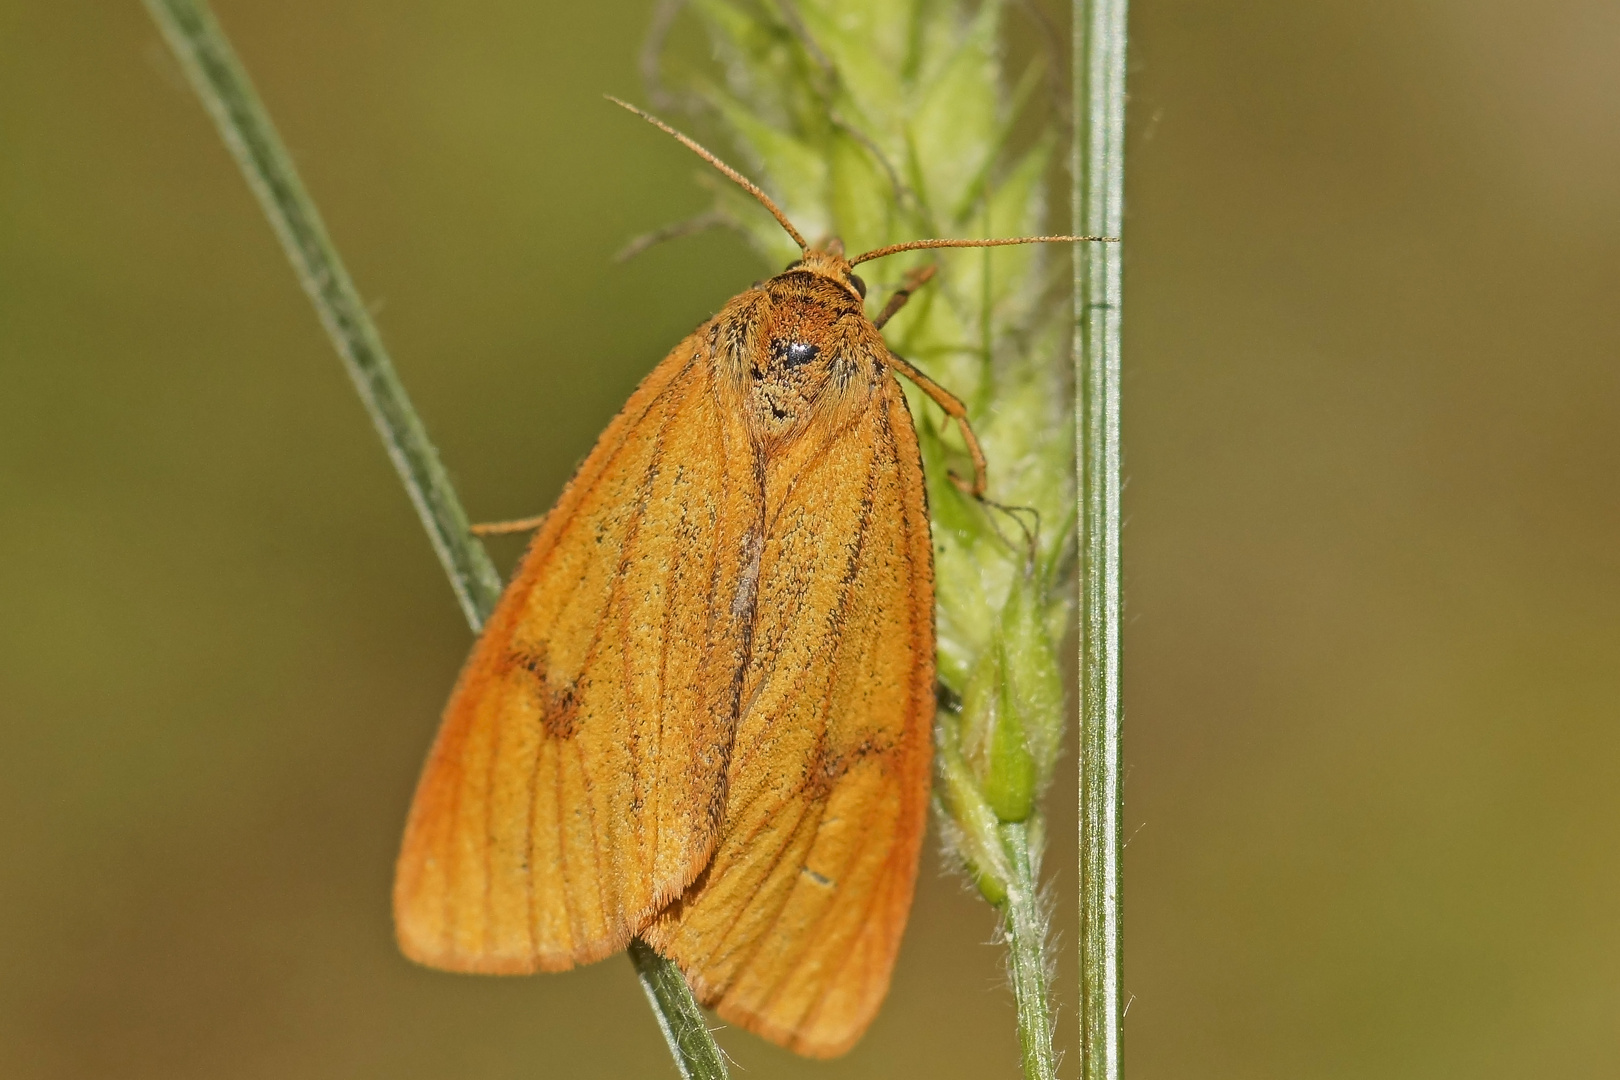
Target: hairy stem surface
<point x="1026" y="946"/>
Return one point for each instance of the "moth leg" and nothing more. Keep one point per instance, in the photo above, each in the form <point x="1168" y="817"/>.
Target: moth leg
<point x="503" y="528"/>
<point x="956" y="411"/>
<point x="915" y="280"/>
<point x="1032" y="533"/>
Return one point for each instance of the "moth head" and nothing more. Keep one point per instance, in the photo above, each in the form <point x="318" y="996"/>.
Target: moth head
<point x="827" y="260"/>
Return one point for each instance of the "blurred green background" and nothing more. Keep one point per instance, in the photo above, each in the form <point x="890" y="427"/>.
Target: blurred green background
<point x="1373" y="578"/>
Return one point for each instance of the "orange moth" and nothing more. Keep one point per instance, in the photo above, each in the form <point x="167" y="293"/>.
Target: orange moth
<point x="701" y="713"/>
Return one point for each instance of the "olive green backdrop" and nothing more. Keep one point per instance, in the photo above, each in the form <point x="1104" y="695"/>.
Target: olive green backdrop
<point x="1373" y="578"/>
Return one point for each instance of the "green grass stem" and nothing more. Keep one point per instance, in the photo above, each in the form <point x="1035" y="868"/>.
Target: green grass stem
<point x="1099" y="180"/>
<point x="1026" y="954"/>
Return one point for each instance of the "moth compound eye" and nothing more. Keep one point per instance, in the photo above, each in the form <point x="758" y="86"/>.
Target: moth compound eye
<point x="860" y="286"/>
<point x="791" y="265"/>
<point x="800" y="352"/>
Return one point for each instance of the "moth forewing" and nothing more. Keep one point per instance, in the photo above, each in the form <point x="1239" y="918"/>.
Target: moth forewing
<point x="794" y="927"/>
<point x="577" y="781"/>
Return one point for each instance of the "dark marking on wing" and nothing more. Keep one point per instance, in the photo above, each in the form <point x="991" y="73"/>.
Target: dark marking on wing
<point x="559" y="704"/>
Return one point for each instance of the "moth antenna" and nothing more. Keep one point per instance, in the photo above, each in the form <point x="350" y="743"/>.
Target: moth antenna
<point x="731" y="174"/>
<point x="913" y="245"/>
